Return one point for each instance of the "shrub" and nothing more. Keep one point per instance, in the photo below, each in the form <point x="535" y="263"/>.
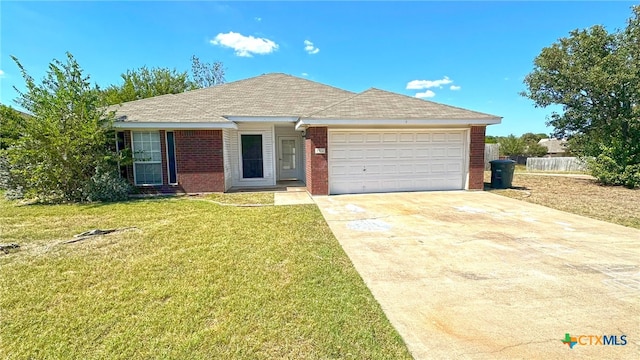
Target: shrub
<point x="608" y="171"/>
<point x="106" y="185"/>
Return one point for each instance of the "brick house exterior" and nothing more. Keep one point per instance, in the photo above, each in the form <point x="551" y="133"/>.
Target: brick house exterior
<point x="332" y="140"/>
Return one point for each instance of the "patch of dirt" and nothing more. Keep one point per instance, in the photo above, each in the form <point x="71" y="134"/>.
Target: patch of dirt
<point x="585" y="197"/>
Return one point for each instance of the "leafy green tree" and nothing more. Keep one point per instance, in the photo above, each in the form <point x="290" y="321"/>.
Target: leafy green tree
<point x="532" y="148"/>
<point x="531" y="138"/>
<point x="11" y="123"/>
<point x="63" y="153"/>
<point x="535" y="150"/>
<point x="511" y="146"/>
<point x="595" y="76"/>
<point x="143" y="83"/>
<point x="491" y="139"/>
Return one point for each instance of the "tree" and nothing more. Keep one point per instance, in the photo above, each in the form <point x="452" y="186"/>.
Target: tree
<point x="531" y="146"/>
<point x="205" y="74"/>
<point x="535" y="150"/>
<point x="531" y="138"/>
<point x="62" y="152"/>
<point x="489" y="139"/>
<point x="511" y="146"/>
<point x="595" y="76"/>
<point x="11" y="123"/>
<point x="144" y="82"/>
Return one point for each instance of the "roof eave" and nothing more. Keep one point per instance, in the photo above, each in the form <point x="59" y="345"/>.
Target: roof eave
<point x="124" y="125"/>
<point x="310" y="122"/>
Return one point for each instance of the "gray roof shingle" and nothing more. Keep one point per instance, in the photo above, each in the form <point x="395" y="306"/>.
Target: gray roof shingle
<point x="379" y="104"/>
<point x="164" y="108"/>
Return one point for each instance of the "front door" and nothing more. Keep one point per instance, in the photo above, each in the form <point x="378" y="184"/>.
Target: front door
<point x="288" y="158"/>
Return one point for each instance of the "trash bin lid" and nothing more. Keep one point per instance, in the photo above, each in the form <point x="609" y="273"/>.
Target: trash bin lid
<point x="501" y="161"/>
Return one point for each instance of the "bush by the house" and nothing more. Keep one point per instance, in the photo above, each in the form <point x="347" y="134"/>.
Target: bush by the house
<point x="65" y="142"/>
<point x="609" y="171"/>
<point x="107" y="185"/>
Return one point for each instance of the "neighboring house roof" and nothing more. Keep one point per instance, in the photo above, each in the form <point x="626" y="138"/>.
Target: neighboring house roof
<point x="554" y="146"/>
<point x="380" y="104"/>
<point x="281" y="95"/>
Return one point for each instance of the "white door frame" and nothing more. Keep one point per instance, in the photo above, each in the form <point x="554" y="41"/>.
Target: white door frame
<point x="298" y="159"/>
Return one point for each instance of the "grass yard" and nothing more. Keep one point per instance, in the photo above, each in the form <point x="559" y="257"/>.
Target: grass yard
<point x="614" y="204"/>
<point x="192" y="280"/>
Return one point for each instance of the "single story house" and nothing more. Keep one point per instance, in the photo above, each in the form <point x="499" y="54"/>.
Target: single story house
<point x="555" y="147"/>
<point x="274" y="127"/>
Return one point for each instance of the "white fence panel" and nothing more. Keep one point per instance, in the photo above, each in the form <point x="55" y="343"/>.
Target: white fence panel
<point x="556" y="164"/>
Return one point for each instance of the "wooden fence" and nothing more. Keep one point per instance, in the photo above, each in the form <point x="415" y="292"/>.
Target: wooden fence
<point x="491" y="152"/>
<point x="556" y="164"/>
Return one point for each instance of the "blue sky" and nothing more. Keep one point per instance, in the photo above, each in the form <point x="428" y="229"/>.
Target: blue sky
<point x="468" y="54"/>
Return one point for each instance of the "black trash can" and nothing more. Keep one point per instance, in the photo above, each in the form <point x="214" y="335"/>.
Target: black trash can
<point x="502" y="173"/>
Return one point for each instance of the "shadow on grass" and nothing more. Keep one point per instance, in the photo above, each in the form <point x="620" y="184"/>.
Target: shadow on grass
<point x="487" y="187"/>
<point x="93" y="205"/>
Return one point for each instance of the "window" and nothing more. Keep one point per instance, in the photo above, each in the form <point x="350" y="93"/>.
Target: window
<point x="119" y="148"/>
<point x="147" y="158"/>
<point x="171" y="158"/>
<point x="252" y="165"/>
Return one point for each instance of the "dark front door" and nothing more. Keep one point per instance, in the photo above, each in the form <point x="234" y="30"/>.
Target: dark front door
<point x="252" y="164"/>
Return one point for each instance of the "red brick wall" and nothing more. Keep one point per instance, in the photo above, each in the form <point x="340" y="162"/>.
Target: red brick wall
<point x="316" y="164"/>
<point x="199" y="160"/>
<point x="476" y="158"/>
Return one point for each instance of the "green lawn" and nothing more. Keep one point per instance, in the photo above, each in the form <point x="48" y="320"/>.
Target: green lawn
<point x="192" y="280"/>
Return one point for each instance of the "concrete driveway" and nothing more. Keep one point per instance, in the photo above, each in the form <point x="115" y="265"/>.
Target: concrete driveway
<point x="476" y="275"/>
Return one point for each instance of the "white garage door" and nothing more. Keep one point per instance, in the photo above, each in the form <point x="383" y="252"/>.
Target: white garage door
<point x="383" y="161"/>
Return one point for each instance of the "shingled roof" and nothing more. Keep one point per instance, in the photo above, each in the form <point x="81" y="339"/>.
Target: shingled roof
<point x="266" y="95"/>
<point x="380" y="104"/>
<point x="281" y="95"/>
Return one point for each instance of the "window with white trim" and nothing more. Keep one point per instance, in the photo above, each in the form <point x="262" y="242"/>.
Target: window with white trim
<point x="147" y="157"/>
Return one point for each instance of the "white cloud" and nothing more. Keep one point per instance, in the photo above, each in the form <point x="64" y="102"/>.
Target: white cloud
<point x="426" y="84"/>
<point x="258" y="19"/>
<point x="426" y="94"/>
<point x="304" y="74"/>
<point x="1" y="73"/>
<point x="455" y="87"/>
<point x="309" y="48"/>
<point x="245" y="46"/>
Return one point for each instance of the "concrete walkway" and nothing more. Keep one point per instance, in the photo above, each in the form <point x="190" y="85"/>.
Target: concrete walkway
<point x="473" y="275"/>
<point x="292" y="198"/>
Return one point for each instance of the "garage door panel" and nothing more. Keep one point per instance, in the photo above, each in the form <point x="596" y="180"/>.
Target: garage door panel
<point x="422" y="153"/>
<point x="455" y="152"/>
<point x="396" y="161"/>
<point x="439" y="151"/>
<point x="340" y="170"/>
<point x="390" y="153"/>
<point x="405" y="168"/>
<point x="390" y="137"/>
<point x="407" y="137"/>
<point x="423" y="137"/>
